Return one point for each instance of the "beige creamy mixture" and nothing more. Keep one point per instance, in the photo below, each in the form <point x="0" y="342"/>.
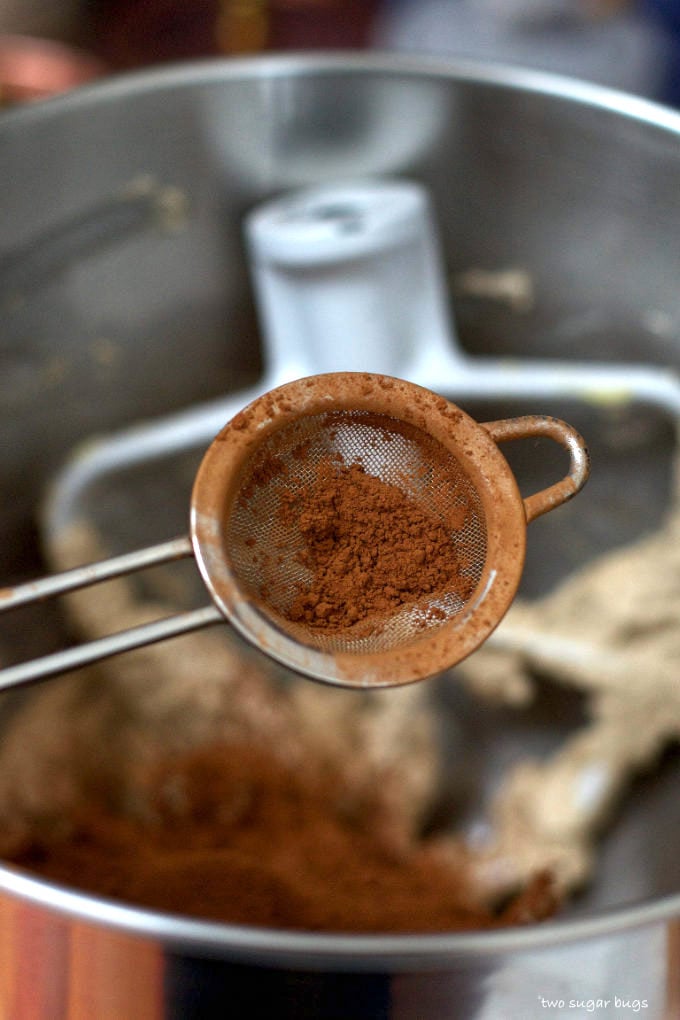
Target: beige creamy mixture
<point x="612" y="631"/>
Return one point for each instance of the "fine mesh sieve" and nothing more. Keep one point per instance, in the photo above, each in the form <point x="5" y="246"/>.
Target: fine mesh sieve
<point x="267" y="546"/>
<point x="248" y="537"/>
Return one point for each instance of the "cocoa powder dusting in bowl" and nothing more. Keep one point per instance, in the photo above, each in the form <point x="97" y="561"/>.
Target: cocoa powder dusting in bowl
<point x="231" y="835"/>
<point x="371" y="549"/>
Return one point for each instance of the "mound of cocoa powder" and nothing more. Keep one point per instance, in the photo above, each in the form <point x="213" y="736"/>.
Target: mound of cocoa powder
<point x="234" y="836"/>
<point x="370" y="548"/>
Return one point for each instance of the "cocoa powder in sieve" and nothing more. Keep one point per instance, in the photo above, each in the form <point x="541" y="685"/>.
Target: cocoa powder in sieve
<point x="371" y="549"/>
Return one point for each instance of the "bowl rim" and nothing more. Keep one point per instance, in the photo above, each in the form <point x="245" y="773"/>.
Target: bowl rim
<point x="321" y="950"/>
<point x="209" y="70"/>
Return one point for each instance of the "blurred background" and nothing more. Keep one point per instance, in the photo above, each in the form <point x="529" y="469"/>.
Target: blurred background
<point x="47" y="46"/>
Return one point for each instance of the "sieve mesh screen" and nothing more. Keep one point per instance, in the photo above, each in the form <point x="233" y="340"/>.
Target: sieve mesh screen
<point x="267" y="547"/>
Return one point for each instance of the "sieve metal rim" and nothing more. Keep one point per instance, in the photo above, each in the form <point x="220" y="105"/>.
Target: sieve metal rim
<point x="217" y="485"/>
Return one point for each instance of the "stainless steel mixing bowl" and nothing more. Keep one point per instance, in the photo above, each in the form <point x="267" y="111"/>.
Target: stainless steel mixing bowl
<point x="125" y="294"/>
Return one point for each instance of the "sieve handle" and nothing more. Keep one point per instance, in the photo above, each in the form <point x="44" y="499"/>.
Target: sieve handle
<point x="59" y="662"/>
<point x="531" y="426"/>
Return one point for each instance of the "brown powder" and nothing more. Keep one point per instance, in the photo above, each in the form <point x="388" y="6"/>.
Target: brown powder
<point x="234" y="836"/>
<point x="371" y="549"/>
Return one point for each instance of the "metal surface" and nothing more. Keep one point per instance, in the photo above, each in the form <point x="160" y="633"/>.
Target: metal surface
<point x="352" y="274"/>
<point x="575" y="186"/>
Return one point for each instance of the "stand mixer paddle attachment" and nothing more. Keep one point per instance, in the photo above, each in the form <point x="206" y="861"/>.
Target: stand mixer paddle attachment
<point x="355" y="527"/>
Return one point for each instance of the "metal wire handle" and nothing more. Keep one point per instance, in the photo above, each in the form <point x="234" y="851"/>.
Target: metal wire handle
<point x="121" y="641"/>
